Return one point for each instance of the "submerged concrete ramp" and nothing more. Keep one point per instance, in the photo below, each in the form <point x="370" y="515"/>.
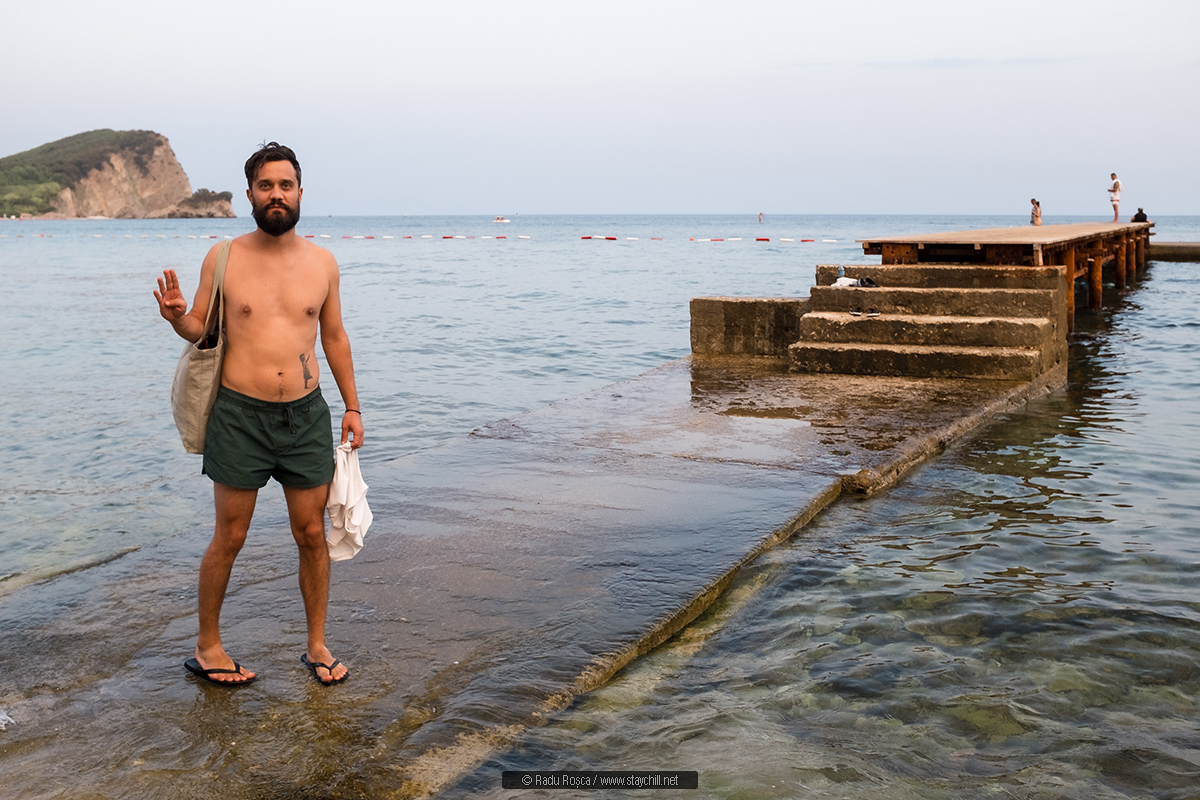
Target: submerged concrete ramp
<point x="548" y="550"/>
<point x="506" y="573"/>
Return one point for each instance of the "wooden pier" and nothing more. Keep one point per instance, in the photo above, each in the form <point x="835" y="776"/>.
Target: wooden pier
<point x="1083" y="248"/>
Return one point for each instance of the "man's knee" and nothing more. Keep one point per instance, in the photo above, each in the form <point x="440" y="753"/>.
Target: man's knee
<point x="309" y="533"/>
<point x="228" y="539"/>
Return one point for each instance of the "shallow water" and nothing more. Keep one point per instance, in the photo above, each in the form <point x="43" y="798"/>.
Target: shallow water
<point x="898" y="643"/>
<point x="1019" y="618"/>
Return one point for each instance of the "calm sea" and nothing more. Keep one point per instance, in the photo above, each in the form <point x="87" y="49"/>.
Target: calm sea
<point x="1021" y="617"/>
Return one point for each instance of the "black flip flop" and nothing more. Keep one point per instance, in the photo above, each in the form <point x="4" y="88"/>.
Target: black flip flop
<point x="193" y="666"/>
<point x="312" y="665"/>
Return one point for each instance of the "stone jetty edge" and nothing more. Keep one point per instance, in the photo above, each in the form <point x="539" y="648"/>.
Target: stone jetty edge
<point x="440" y="768"/>
<point x="863" y="483"/>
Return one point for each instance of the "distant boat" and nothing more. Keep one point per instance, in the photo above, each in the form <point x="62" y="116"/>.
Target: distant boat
<point x="501" y="219"/>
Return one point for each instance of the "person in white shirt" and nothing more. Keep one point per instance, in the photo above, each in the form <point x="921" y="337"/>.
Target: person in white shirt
<point x="1114" y="194"/>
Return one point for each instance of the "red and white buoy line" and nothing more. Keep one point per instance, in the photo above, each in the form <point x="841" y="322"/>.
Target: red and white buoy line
<point x="425" y="236"/>
<point x="697" y="239"/>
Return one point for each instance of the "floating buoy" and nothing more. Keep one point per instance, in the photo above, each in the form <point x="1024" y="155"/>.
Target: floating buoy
<point x="326" y="236"/>
<point x="407" y="237"/>
<point x="501" y="237"/>
<point x="610" y="238"/>
<point x="716" y="240"/>
<point x="631" y="238"/>
<point x="389" y="237"/>
<point x="447" y="237"/>
<point x="763" y="239"/>
<point x="787" y="240"/>
<point x="807" y="240"/>
<point x="485" y="237"/>
<point x="523" y="237"/>
<point x="585" y="237"/>
<point x="367" y="237"/>
<point x="829" y="240"/>
<point x="656" y="238"/>
<point x="736" y="239"/>
<point x="426" y="236"/>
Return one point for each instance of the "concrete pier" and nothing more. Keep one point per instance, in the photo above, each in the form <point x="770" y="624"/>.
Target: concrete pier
<point x="1175" y="251"/>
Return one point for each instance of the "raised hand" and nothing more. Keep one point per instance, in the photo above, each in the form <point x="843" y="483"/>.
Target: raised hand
<point x="171" y="302"/>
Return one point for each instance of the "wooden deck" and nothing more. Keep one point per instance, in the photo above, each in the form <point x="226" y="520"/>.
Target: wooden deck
<point x="1083" y="248"/>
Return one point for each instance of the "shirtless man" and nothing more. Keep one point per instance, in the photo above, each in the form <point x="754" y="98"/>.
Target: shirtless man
<point x="270" y="419"/>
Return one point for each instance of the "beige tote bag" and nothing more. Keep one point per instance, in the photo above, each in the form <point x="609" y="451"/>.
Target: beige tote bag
<point x="198" y="373"/>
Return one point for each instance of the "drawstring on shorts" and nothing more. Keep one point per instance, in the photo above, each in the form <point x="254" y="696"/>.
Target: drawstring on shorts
<point x="290" y="417"/>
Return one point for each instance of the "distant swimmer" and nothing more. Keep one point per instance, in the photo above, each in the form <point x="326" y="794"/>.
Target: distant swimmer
<point x="1114" y="194"/>
<point x="500" y="219"/>
<point x="760" y="218"/>
<point x="1035" y="215"/>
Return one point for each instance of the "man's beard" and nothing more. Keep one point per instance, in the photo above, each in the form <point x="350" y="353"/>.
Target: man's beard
<point x="275" y="224"/>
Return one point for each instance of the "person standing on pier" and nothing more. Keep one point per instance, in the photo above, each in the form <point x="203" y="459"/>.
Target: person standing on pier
<point x="1114" y="194"/>
<point x="1035" y="215"/>
<point x="270" y="419"/>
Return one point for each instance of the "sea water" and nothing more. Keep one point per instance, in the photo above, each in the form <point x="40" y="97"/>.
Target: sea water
<point x="909" y="643"/>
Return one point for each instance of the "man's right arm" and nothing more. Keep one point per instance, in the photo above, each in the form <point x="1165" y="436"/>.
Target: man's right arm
<point x="173" y="306"/>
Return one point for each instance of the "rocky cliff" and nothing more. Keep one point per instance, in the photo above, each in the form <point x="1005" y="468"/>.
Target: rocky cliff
<point x="112" y="174"/>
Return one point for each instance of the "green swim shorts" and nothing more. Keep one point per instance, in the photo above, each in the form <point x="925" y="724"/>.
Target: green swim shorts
<point x="248" y="441"/>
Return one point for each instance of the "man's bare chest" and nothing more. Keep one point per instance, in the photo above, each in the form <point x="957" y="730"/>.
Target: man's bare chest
<point x="294" y="295"/>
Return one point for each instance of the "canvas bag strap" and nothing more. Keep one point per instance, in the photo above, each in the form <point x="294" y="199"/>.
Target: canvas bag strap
<point x="218" y="288"/>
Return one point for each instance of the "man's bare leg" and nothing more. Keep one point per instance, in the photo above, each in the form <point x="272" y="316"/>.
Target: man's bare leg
<point x="235" y="508"/>
<point x="306" y="512"/>
<point x="1116" y="216"/>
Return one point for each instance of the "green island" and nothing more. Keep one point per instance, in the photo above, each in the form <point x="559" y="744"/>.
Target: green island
<point x="30" y="180"/>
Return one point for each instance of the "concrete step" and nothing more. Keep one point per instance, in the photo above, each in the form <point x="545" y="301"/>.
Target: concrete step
<point x="917" y="361"/>
<point x="961" y="302"/>
<point x="926" y="276"/>
<point x="839" y="326"/>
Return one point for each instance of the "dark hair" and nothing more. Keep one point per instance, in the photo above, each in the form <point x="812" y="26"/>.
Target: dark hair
<point x="271" y="151"/>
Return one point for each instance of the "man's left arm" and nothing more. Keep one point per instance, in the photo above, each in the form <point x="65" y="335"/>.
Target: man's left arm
<point x="336" y="345"/>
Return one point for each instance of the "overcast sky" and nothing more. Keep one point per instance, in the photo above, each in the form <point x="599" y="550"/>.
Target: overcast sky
<point x="637" y="107"/>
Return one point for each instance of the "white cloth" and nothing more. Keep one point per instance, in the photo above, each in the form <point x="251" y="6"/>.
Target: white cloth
<point x="349" y="515"/>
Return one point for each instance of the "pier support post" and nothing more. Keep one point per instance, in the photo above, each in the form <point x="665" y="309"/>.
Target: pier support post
<point x="1120" y="249"/>
<point x="1131" y="258"/>
<point x="1095" y="282"/>
<point x="1068" y="260"/>
<point x="1141" y="252"/>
